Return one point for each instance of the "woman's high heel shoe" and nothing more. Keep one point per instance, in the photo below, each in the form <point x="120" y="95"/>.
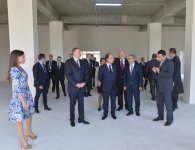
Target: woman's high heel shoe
<point x="28" y="146"/>
<point x="31" y="136"/>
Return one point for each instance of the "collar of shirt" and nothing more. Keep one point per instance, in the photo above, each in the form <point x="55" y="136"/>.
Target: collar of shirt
<point x="132" y="64"/>
<point x="42" y="64"/>
<point x="75" y="59"/>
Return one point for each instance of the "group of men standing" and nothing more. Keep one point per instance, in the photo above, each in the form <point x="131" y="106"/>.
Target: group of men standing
<point x="119" y="77"/>
<point x="44" y="72"/>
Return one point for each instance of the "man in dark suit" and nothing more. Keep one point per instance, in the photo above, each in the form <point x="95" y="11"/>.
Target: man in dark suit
<point x="164" y="87"/>
<point x="77" y="75"/>
<point x="40" y="82"/>
<point x="59" y="77"/>
<point x="150" y="75"/>
<point x="133" y="83"/>
<point x="107" y="78"/>
<point x="144" y="64"/>
<point x="50" y="66"/>
<point x="177" y="81"/>
<point x="89" y="65"/>
<point x="121" y="62"/>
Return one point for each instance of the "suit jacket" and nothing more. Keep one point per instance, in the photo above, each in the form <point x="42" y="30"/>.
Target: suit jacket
<point x="143" y="68"/>
<point x="59" y="73"/>
<point x="149" y="73"/>
<point x="75" y="74"/>
<point x="107" y="79"/>
<point x="136" y="79"/>
<point x="89" y="66"/>
<point x="54" y="63"/>
<point x="120" y="72"/>
<point x="165" y="77"/>
<point x="40" y="77"/>
<point x="178" y="85"/>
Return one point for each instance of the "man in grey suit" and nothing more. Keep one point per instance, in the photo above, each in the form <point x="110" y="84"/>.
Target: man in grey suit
<point x="164" y="75"/>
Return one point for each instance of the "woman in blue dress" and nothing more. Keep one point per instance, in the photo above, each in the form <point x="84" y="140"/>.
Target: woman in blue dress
<point x="21" y="104"/>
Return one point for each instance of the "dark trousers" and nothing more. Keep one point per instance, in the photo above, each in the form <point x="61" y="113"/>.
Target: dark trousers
<point x="145" y="82"/>
<point x="77" y="95"/>
<point x="93" y="77"/>
<point x="164" y="98"/>
<point x="37" y="96"/>
<point x="106" y="95"/>
<point x="51" y="77"/>
<point x="89" y="85"/>
<point x="175" y="97"/>
<point x="136" y="93"/>
<point x="153" y="88"/>
<point x="61" y="81"/>
<point x="122" y="94"/>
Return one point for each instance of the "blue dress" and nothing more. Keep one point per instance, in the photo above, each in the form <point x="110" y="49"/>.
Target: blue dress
<point x="20" y="87"/>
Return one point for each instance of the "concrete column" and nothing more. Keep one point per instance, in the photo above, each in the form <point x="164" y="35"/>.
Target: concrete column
<point x="56" y="30"/>
<point x="22" y="16"/>
<point x="189" y="53"/>
<point x="155" y="38"/>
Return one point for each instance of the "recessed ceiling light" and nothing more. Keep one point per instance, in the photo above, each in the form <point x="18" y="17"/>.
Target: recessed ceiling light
<point x="108" y="4"/>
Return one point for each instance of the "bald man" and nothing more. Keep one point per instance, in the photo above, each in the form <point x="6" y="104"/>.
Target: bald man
<point x="121" y="62"/>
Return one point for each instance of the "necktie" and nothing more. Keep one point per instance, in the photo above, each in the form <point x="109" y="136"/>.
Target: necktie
<point x="122" y="65"/>
<point x="78" y="63"/>
<point x="44" y="69"/>
<point x="110" y="68"/>
<point x="131" y="69"/>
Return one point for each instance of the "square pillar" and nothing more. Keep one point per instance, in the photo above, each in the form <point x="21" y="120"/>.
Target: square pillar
<point x="56" y="30"/>
<point x="155" y="38"/>
<point x="23" y="34"/>
<point x="189" y="53"/>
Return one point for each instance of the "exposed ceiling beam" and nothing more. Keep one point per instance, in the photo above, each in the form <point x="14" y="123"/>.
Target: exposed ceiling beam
<point x="170" y="9"/>
<point x="45" y="7"/>
<point x="106" y="20"/>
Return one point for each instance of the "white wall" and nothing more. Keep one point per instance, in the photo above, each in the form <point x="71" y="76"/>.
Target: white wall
<point x="103" y="38"/>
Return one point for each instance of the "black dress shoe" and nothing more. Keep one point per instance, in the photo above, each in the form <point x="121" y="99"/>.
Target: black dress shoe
<point x="64" y="94"/>
<point x="57" y="97"/>
<point x="85" y="95"/>
<point x="88" y="94"/>
<point x="153" y="99"/>
<point x="119" y="108"/>
<point x="126" y="107"/>
<point x="84" y="122"/>
<point x="37" y="111"/>
<point x="129" y="113"/>
<point x="167" y="124"/>
<point x="158" y="119"/>
<point x="104" y="117"/>
<point x="137" y="114"/>
<point x="48" y="109"/>
<point x="113" y="116"/>
<point x="99" y="109"/>
<point x="72" y="123"/>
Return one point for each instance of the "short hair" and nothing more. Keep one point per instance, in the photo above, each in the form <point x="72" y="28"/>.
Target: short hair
<point x="59" y="57"/>
<point x="102" y="59"/>
<point x="154" y="55"/>
<point x="132" y="55"/>
<point x="74" y="49"/>
<point x="107" y="56"/>
<point x="162" y="52"/>
<point x="173" y="50"/>
<point x="88" y="54"/>
<point x="41" y="56"/>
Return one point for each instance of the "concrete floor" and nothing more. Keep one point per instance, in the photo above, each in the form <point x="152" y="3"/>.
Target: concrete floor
<point x="125" y="133"/>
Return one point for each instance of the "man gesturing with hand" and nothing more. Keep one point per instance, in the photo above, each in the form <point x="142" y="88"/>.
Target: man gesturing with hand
<point x="77" y="74"/>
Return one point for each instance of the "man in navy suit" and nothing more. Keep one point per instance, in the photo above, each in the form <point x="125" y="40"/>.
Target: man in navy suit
<point x="121" y="62"/>
<point x="77" y="74"/>
<point x="41" y="81"/>
<point x="133" y="83"/>
<point x="107" y="77"/>
<point x="164" y="87"/>
<point x="59" y="77"/>
<point x="144" y="64"/>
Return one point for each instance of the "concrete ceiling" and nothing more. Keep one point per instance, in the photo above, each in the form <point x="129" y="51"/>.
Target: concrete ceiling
<point x="132" y="12"/>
